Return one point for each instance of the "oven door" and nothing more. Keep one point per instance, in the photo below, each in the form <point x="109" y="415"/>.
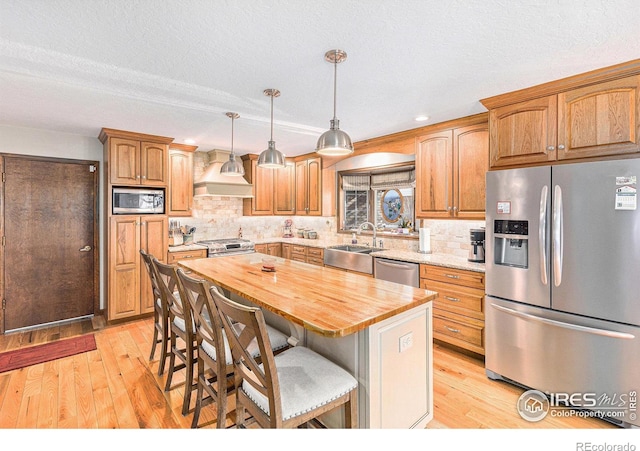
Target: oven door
<point x="229" y="253"/>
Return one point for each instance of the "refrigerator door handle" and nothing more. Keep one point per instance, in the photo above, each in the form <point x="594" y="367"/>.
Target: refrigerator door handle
<point x="557" y="227"/>
<point x="576" y="327"/>
<point x="542" y="235"/>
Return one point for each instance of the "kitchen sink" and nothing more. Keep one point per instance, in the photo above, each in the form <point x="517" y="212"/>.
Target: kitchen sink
<point x="350" y="257"/>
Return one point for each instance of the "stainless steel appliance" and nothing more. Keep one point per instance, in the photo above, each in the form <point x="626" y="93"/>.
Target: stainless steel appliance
<point x="562" y="288"/>
<point x="405" y="273"/>
<point x="136" y="201"/>
<point x="228" y="246"/>
<point x="476" y="252"/>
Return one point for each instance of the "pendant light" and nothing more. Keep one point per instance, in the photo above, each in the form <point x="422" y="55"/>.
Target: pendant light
<point x="334" y="142"/>
<point x="271" y="157"/>
<point x="232" y="167"/>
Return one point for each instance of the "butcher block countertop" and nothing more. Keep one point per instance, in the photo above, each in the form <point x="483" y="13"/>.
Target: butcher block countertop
<point x="327" y="301"/>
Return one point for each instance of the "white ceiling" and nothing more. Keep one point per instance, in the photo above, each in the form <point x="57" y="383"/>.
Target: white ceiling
<point x="174" y="67"/>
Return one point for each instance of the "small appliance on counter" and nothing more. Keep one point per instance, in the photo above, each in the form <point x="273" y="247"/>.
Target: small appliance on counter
<point x="476" y="253"/>
<point x="287" y="230"/>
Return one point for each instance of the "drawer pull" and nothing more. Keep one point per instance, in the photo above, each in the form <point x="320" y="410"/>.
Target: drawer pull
<point x="452" y="276"/>
<point x="451" y="329"/>
<point x="449" y="298"/>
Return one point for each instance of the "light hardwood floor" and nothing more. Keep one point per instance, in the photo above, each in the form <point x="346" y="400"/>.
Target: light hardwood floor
<point x="117" y="387"/>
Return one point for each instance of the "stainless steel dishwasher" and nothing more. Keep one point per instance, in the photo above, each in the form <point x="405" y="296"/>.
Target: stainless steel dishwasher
<point x="396" y="271"/>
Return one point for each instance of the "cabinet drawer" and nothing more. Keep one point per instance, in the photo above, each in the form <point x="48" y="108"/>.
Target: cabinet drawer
<point x="302" y="250"/>
<point x="173" y="257"/>
<point x="315" y="252"/>
<point x="458" y="328"/>
<point x="456" y="298"/>
<point x="315" y="261"/>
<point x="454" y="276"/>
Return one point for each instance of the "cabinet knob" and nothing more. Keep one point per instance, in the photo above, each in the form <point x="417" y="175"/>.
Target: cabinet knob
<point x="551" y="148"/>
<point x="560" y="146"/>
<point x="138" y="176"/>
<point x="144" y="177"/>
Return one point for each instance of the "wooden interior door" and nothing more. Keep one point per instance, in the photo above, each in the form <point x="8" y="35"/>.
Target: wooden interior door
<point x="50" y="256"/>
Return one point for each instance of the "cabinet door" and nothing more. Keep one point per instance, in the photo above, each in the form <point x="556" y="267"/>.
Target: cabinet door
<point x="523" y="133"/>
<point x="124" y="160"/>
<point x="598" y="120"/>
<point x="284" y="190"/>
<point x="286" y="250"/>
<point x="470" y="163"/>
<point x="302" y="188"/>
<point x="153" y="164"/>
<point x="434" y="179"/>
<point x="262" y="180"/>
<point x="124" y="267"/>
<point x="180" y="183"/>
<point x="274" y="249"/>
<point x="154" y="233"/>
<point x="314" y="186"/>
<point x="261" y="248"/>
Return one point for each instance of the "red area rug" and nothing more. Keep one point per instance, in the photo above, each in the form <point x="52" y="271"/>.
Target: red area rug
<point x="19" y="358"/>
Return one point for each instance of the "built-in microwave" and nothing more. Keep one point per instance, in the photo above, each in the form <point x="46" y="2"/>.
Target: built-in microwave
<point x="129" y="201"/>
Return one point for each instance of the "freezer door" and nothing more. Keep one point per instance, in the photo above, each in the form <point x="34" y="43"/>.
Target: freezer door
<point x="596" y="243"/>
<point x="517" y="244"/>
<point x="561" y="353"/>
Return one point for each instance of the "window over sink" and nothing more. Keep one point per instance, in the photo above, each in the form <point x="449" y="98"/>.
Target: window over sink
<point x="382" y="197"/>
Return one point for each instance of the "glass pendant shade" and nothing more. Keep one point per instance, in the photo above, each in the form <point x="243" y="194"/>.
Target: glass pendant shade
<point x="232" y="167"/>
<point x="334" y="142"/>
<point x="271" y="158"/>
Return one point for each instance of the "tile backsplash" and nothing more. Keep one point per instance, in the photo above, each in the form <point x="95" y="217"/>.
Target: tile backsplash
<point x="221" y="217"/>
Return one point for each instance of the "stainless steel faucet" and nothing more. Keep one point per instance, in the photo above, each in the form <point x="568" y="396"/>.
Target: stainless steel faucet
<point x="372" y="228"/>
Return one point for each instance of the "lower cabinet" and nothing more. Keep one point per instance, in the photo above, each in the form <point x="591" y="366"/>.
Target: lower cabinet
<point x="174" y="257"/>
<point x="458" y="316"/>
<point x="274" y="249"/>
<point x="129" y="287"/>
<point x="307" y="254"/>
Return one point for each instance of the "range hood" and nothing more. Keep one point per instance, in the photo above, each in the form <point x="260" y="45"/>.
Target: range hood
<point x="212" y="183"/>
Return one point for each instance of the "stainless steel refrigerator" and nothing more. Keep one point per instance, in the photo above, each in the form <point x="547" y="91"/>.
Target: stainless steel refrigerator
<point x="562" y="302"/>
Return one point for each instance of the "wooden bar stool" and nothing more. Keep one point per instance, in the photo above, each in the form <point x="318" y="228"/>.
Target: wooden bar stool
<point x="160" y="315"/>
<point x="181" y="326"/>
<point x="284" y="390"/>
<point x="215" y="364"/>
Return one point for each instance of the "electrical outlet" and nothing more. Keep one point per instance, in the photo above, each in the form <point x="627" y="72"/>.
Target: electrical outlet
<point x="406" y="341"/>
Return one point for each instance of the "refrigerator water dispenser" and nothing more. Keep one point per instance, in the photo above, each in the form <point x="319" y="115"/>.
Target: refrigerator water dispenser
<point x="511" y="243"/>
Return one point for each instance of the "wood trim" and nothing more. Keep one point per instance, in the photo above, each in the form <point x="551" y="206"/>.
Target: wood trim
<point x="112" y="133"/>
<point x="184" y="147"/>
<point x="564" y="84"/>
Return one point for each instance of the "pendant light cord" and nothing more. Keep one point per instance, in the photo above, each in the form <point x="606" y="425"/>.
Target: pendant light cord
<point x="232" y="120"/>
<point x="335" y="83"/>
<point x="271" y="95"/>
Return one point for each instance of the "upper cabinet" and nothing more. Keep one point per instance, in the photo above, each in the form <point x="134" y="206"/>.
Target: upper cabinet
<point x="451" y="163"/>
<point x="591" y="115"/>
<point x="136" y="159"/>
<point x="180" y="195"/>
<point x="293" y="190"/>
<point x="309" y="186"/>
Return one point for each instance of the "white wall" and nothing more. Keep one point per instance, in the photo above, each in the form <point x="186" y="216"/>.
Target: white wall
<point x="44" y="143"/>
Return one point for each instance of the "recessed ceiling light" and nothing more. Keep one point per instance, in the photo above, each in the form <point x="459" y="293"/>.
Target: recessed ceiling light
<point x="422" y="118"/>
<point x="189" y="141"/>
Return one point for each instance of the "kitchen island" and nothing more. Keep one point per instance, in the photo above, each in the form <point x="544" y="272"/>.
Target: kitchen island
<point x="379" y="331"/>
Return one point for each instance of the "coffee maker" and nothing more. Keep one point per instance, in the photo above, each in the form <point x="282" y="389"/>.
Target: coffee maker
<point x="476" y="252"/>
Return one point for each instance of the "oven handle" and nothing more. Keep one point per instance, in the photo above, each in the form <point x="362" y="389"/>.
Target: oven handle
<point x="576" y="327"/>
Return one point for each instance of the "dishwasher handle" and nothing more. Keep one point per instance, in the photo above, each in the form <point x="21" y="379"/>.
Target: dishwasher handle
<point x="409" y="266"/>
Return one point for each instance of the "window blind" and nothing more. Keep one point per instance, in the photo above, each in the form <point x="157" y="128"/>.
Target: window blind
<point x="391" y="180"/>
<point x="355" y="182"/>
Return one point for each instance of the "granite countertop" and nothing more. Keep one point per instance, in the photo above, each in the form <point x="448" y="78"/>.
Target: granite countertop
<point x="446" y="260"/>
<point x="187" y="247"/>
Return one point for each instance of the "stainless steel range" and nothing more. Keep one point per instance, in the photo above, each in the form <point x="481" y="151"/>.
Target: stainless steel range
<point x="228" y="246"/>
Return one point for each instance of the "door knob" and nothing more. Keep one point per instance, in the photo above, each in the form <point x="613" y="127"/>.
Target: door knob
<point x="85" y="249"/>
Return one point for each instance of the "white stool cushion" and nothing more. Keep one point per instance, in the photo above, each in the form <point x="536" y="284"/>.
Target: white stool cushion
<point x="277" y="338"/>
<point x="307" y="381"/>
